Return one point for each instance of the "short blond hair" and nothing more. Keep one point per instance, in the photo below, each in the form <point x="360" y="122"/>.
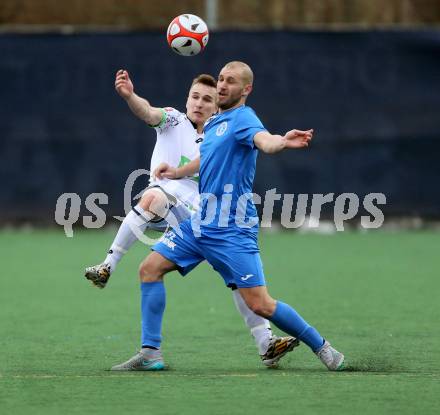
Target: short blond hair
<point x="247" y="75"/>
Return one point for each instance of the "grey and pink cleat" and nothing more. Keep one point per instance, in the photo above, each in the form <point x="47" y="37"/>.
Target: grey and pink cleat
<point x="331" y="358"/>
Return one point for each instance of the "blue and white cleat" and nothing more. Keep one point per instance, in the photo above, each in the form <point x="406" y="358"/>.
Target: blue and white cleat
<point x="331" y="358"/>
<point x="145" y="359"/>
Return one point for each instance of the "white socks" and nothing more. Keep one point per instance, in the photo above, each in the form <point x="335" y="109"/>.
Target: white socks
<point x="137" y="219"/>
<point x="259" y="326"/>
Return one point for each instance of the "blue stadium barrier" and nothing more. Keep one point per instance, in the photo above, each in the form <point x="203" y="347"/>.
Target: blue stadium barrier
<point x="372" y="97"/>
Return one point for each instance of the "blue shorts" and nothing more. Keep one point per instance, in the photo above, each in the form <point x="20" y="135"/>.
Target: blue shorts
<point x="238" y="263"/>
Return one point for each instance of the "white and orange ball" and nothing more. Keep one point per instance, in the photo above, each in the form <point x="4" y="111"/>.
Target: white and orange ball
<point x="187" y="35"/>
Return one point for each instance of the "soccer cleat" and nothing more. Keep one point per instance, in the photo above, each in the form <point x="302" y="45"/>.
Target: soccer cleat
<point x="145" y="359"/>
<point x="331" y="358"/>
<point x="98" y="274"/>
<point x="278" y="347"/>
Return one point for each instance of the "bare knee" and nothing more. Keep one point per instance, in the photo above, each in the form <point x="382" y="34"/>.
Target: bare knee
<point x="155" y="203"/>
<point x="154" y="267"/>
<point x="263" y="309"/>
<point x="149" y="271"/>
<point x="259" y="301"/>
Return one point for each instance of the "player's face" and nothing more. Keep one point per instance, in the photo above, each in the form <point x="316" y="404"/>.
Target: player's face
<point x="231" y="88"/>
<point x="201" y="103"/>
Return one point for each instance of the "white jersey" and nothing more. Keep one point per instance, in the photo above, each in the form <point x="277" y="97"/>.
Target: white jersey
<point x="177" y="144"/>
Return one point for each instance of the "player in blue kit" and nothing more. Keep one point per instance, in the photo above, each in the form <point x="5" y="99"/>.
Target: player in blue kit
<point x="224" y="231"/>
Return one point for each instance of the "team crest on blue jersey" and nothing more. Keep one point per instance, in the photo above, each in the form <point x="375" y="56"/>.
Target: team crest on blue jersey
<point x="221" y="129"/>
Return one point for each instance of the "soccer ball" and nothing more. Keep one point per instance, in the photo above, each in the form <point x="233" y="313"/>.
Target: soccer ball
<point x="187" y="35"/>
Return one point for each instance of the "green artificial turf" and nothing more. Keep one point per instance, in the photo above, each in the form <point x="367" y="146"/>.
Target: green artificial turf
<point x="374" y="295"/>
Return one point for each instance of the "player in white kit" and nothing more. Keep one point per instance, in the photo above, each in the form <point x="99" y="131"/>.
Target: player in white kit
<point x="167" y="202"/>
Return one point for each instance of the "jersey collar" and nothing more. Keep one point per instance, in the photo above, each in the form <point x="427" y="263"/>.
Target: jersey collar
<point x="193" y="124"/>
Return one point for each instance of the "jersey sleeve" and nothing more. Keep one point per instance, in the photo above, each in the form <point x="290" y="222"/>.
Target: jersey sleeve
<point x="247" y="125"/>
<point x="170" y="118"/>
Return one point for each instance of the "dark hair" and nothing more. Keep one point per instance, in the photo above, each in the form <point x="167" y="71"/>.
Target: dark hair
<point x="205" y="79"/>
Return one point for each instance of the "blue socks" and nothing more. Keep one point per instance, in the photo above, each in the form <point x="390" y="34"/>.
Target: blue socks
<point x="152" y="309"/>
<point x="288" y="320"/>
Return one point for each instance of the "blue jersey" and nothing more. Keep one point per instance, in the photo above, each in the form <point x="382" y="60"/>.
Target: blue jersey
<point x="227" y="169"/>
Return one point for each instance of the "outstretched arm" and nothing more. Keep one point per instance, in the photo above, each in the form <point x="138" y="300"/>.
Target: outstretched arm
<point x="273" y="143"/>
<point x="164" y="170"/>
<point x="139" y="106"/>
